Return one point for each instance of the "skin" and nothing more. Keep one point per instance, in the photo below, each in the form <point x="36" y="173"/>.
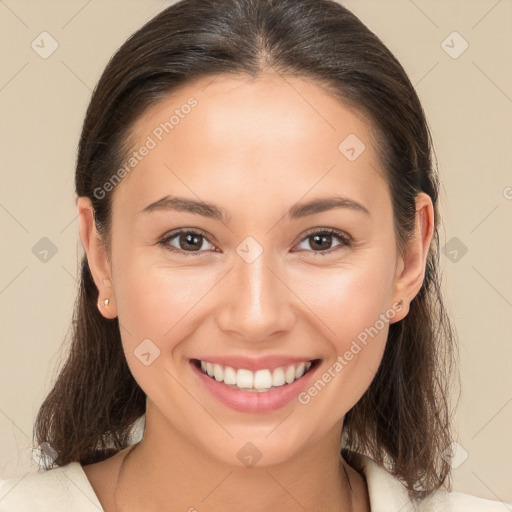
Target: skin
<point x="254" y="147"/>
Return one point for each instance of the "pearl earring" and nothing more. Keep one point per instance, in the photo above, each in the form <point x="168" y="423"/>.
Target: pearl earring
<point x="106" y="302"/>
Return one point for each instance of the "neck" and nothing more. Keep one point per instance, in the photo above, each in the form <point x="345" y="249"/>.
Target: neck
<point x="165" y="468"/>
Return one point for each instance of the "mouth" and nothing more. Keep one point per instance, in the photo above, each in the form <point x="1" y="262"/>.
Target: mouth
<point x="259" y="381"/>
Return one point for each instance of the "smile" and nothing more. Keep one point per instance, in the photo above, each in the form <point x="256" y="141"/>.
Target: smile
<point x="258" y="381"/>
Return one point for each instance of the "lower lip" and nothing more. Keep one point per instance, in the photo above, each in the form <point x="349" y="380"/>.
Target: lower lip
<point x="253" y="401"/>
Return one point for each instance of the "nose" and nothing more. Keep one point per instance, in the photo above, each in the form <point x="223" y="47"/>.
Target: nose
<point x="256" y="303"/>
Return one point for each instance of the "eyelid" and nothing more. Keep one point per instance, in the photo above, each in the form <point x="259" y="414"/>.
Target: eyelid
<point x="345" y="238"/>
<point x="332" y="231"/>
<point x="174" y="233"/>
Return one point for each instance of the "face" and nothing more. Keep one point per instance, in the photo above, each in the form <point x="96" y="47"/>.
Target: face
<point x="253" y="281"/>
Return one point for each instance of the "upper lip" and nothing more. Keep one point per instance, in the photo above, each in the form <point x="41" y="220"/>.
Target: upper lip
<point x="250" y="363"/>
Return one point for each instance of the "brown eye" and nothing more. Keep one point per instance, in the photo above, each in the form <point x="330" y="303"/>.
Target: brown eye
<point x="190" y="241"/>
<point x="186" y="241"/>
<point x="321" y="241"/>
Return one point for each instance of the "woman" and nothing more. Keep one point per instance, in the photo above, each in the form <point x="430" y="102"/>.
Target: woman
<point x="258" y="210"/>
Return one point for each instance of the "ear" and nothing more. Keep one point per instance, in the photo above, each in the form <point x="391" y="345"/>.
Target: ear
<point x="99" y="265"/>
<point x="410" y="271"/>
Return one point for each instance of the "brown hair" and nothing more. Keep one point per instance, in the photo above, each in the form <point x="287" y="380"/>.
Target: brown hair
<point x="403" y="419"/>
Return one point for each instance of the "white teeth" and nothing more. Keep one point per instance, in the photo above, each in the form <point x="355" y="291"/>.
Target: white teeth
<point x="258" y="381"/>
<point x="278" y="377"/>
<point x="289" y="374"/>
<point x="262" y="379"/>
<point x="218" y="372"/>
<point x="244" y="378"/>
<point x="229" y="375"/>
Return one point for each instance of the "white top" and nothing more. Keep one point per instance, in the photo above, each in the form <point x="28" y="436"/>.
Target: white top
<point x="67" y="489"/>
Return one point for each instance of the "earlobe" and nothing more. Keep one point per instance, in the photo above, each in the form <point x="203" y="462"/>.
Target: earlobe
<point x="106" y="307"/>
<point x="96" y="257"/>
<point x="411" y="269"/>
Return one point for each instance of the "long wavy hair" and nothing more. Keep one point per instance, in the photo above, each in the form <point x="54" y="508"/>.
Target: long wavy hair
<point x="403" y="420"/>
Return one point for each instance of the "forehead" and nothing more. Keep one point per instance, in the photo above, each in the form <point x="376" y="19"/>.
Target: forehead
<point x="274" y="136"/>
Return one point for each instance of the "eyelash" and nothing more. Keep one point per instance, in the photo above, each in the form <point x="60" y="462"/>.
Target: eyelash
<point x="346" y="240"/>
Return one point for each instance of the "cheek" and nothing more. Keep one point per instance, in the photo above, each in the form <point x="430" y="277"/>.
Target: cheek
<point x="348" y="298"/>
<point x="352" y="311"/>
<point x="159" y="302"/>
<point x="158" y="309"/>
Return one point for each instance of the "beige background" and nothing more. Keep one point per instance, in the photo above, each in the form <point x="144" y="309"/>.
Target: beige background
<point x="468" y="101"/>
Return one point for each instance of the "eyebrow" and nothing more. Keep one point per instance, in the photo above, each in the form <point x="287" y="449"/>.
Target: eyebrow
<point x="210" y="210"/>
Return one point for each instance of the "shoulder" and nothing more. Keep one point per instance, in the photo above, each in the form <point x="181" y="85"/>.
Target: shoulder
<point x="387" y="492"/>
<point x="61" y="489"/>
<point x="466" y="503"/>
<point x="461" y="502"/>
